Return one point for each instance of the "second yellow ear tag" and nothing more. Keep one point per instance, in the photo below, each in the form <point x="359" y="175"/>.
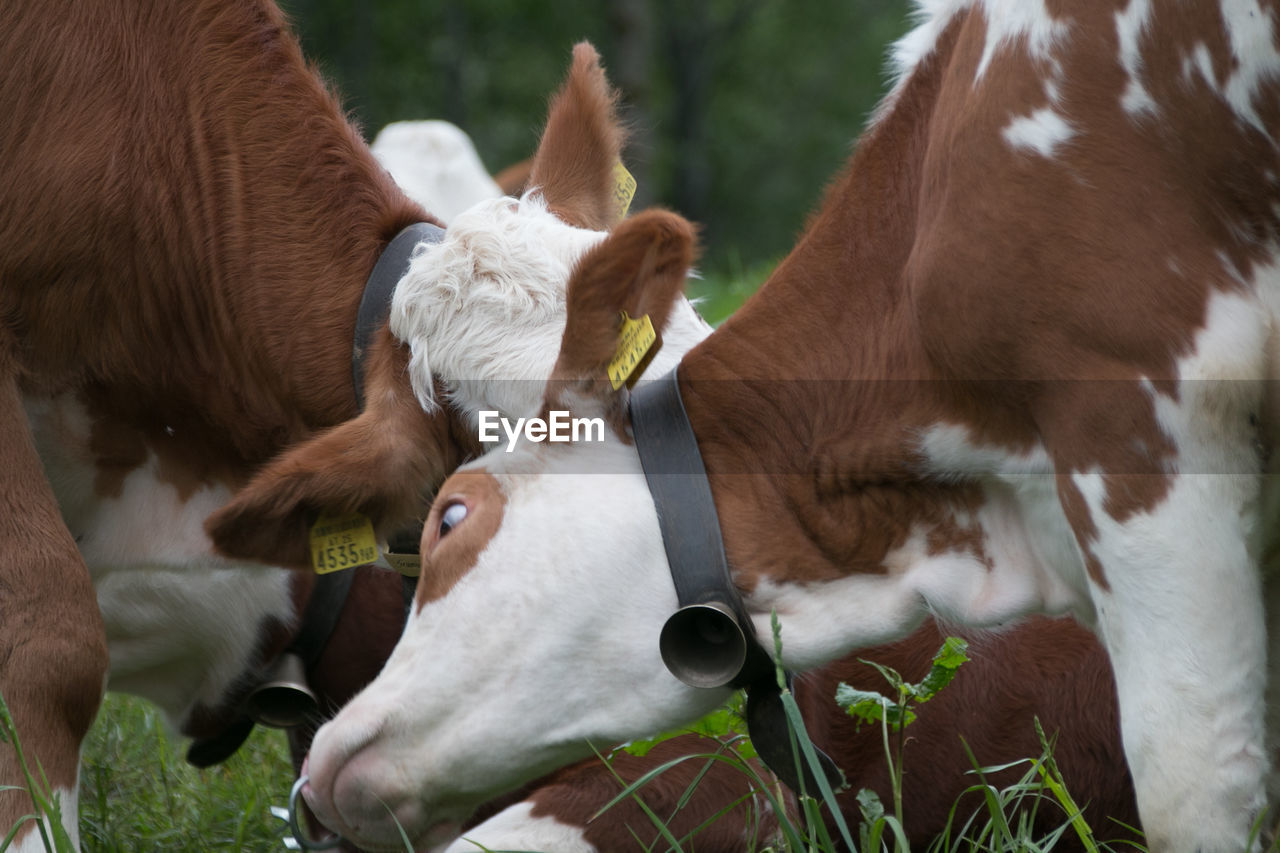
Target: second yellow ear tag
<point x="342" y="542"/>
<point x="634" y="340"/>
<point x="624" y="189"/>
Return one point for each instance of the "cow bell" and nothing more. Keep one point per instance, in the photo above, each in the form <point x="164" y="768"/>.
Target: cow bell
<point x="283" y="700"/>
<point x="703" y="645"/>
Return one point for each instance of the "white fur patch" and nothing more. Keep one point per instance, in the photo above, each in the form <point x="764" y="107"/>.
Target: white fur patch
<point x="31" y="840"/>
<point x="1009" y="22"/>
<point x="1041" y="132"/>
<point x="485" y="307"/>
<point x="515" y="828"/>
<point x="950" y="452"/>
<point x="181" y="622"/>
<point x="1173" y="656"/>
<point x="1023" y="518"/>
<point x="483" y="311"/>
<point x="1252" y="31"/>
<point x="823" y="620"/>
<point x="932" y="17"/>
<point x="436" y="164"/>
<point x="1131" y="23"/>
<point x="1012" y="22"/>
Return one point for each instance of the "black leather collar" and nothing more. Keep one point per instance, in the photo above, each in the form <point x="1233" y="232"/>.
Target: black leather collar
<point x="390" y="267"/>
<point x="691" y="535"/>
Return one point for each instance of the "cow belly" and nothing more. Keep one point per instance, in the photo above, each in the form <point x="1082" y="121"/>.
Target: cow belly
<point x="182" y="636"/>
<point x="182" y="624"/>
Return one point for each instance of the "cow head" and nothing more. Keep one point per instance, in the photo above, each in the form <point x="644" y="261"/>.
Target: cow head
<point x="468" y="330"/>
<point x="515" y="656"/>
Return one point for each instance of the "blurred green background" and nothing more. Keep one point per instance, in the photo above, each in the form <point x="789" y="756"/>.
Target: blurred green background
<point x="741" y="110"/>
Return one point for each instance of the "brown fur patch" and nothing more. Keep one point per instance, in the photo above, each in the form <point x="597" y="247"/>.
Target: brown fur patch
<point x="204" y="222"/>
<point x="580" y="145"/>
<point x="1026" y="297"/>
<point x="53" y="655"/>
<point x="446" y="560"/>
<point x="1050" y="669"/>
<point x="383" y="464"/>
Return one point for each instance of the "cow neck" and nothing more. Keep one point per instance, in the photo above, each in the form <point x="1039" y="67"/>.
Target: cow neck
<point x="785" y="394"/>
<point x="224" y="247"/>
<point x="329" y="593"/>
<point x="677" y="480"/>
<point x="279" y="213"/>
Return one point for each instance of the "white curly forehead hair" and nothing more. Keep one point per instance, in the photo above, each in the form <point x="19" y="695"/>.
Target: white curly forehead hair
<point x="483" y="311"/>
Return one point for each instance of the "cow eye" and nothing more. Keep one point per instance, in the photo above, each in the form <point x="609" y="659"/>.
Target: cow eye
<point x="452" y="516"/>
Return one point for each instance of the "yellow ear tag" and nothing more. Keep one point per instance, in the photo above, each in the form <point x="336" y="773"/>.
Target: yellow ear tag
<point x="624" y="189"/>
<point x="634" y="341"/>
<point x="342" y="542"/>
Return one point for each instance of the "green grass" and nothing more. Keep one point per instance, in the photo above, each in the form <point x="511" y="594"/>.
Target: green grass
<point x="720" y="292"/>
<point x="137" y="793"/>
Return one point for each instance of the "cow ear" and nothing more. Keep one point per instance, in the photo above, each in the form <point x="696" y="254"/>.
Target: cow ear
<point x="383" y="463"/>
<point x="580" y="147"/>
<point x="640" y="269"/>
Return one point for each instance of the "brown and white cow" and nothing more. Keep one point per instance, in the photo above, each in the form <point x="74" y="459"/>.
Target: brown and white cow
<point x="187" y="222"/>
<point x="1018" y="362"/>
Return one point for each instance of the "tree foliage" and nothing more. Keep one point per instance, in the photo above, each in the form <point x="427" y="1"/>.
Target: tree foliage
<point x="741" y="110"/>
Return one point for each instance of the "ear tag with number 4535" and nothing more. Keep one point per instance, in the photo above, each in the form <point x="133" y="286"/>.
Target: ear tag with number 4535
<point x="342" y="542"/>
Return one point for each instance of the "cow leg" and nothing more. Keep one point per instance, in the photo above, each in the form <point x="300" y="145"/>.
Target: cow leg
<point x="1172" y="569"/>
<point x="1179" y="610"/>
<point x="53" y="655"/>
